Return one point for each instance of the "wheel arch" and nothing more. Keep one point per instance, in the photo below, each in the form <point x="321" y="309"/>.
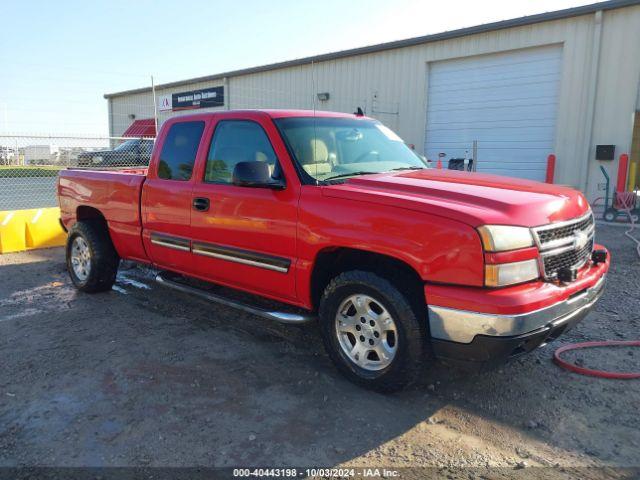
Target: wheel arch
<point x="331" y="261"/>
<point x="85" y="212"/>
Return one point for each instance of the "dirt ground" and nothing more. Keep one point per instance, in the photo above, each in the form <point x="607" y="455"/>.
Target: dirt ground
<point x="144" y="376"/>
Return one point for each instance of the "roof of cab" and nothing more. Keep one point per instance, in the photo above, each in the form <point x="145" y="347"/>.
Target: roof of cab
<point x="269" y="112"/>
<point x="308" y="113"/>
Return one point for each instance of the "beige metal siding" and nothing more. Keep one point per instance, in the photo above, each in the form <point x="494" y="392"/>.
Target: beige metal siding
<point x="140" y="105"/>
<point x="391" y="85"/>
<point x="616" y="94"/>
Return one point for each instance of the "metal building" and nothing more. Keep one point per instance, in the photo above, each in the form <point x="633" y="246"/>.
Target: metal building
<point x="561" y="82"/>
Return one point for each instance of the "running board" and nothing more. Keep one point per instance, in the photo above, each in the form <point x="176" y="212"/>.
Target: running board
<point x="282" y="317"/>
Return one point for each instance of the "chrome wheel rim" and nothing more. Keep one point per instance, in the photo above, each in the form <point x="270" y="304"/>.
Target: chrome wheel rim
<point x="80" y="258"/>
<point x="366" y="332"/>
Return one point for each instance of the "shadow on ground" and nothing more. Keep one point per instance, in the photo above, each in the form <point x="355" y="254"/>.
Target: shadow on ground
<point x="146" y="376"/>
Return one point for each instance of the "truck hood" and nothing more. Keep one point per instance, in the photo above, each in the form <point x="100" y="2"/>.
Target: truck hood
<point x="470" y="197"/>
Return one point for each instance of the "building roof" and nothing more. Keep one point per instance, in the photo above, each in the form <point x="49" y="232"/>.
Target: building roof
<point x="145" y="127"/>
<point x="487" y="27"/>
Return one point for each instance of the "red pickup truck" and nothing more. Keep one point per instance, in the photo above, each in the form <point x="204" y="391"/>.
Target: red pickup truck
<point x="331" y="217"/>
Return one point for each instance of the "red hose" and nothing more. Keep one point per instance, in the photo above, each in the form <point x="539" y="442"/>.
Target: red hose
<point x="595" y="373"/>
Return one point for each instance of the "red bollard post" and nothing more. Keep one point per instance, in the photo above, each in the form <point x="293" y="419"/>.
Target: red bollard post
<point x="551" y="168"/>
<point x="623" y="164"/>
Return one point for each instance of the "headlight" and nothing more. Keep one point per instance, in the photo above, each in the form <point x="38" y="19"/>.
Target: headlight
<point x="500" y="238"/>
<point x="510" y="273"/>
<point x="96" y="159"/>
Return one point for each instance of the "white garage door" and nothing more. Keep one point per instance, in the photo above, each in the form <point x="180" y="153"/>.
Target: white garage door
<point x="506" y="101"/>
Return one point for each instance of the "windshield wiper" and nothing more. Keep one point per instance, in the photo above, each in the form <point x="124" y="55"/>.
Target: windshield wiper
<point x="406" y="168"/>
<point x="350" y="174"/>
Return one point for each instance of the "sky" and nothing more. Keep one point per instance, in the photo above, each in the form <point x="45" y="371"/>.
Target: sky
<point x="58" y="58"/>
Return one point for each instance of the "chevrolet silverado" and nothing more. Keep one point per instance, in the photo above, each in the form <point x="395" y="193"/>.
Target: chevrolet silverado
<point x="301" y="216"/>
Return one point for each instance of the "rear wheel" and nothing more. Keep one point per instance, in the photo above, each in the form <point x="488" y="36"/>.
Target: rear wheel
<point x="371" y="331"/>
<point x="610" y="215"/>
<point x="92" y="261"/>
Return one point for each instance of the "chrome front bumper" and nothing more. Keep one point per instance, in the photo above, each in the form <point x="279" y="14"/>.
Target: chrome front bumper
<point x="463" y="326"/>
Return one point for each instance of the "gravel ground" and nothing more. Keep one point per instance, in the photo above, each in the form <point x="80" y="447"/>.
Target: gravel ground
<point x="143" y="376"/>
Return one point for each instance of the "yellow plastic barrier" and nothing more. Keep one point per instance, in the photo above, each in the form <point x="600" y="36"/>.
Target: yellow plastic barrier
<point x="43" y="228"/>
<point x="28" y="229"/>
<point x="12" y="231"/>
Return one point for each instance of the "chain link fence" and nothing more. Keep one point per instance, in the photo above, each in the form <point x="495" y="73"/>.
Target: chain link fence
<point x="29" y="165"/>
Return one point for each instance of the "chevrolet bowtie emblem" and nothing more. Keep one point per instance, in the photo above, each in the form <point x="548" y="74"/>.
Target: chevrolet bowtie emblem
<point x="580" y="239"/>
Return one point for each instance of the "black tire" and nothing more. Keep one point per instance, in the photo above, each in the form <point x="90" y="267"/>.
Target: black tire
<point x="610" y="215"/>
<point x="104" y="260"/>
<point x="411" y="341"/>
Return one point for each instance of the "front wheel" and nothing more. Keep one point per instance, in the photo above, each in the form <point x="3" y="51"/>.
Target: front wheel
<point x="92" y="261"/>
<point x="371" y="331"/>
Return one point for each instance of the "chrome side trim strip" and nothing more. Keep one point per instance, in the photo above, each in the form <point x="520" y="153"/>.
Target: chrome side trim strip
<point x="283" y="317"/>
<point x="239" y="260"/>
<point x="462" y="325"/>
<point x="244" y="257"/>
<point x="237" y="255"/>
<point x="168" y="241"/>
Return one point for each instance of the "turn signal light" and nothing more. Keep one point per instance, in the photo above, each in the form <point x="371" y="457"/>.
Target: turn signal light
<point x="503" y="274"/>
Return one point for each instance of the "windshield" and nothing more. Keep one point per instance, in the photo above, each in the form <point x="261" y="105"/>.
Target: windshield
<point x="128" y="145"/>
<point x="337" y="148"/>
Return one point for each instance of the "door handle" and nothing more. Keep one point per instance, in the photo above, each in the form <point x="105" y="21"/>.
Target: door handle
<point x="201" y="204"/>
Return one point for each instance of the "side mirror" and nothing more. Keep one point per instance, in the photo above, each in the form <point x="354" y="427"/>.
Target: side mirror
<point x="254" y="174"/>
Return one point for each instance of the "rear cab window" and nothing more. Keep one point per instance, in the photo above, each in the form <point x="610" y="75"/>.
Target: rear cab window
<point x="179" y="151"/>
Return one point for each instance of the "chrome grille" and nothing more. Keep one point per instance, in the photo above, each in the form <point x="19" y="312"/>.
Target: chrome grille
<point x="557" y="233"/>
<point x="568" y="259"/>
<point x="565" y="244"/>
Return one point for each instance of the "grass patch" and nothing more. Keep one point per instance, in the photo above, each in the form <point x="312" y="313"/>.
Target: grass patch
<point x="12" y="171"/>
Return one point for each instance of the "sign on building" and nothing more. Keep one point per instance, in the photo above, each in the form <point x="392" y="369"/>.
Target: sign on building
<point x="202" y="98"/>
<point x="164" y="103"/>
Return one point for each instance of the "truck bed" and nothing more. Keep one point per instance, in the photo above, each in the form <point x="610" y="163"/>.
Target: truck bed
<point x="116" y="194"/>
